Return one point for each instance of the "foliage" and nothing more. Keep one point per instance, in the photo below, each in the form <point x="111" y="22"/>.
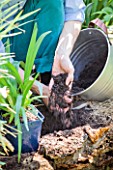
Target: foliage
<point x="18" y="95"/>
<point x="102" y="9"/>
<point x="6" y="25"/>
<point x="3" y="140"/>
<point x="15" y="94"/>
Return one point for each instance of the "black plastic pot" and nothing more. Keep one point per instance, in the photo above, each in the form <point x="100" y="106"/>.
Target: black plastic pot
<point x="30" y="139"/>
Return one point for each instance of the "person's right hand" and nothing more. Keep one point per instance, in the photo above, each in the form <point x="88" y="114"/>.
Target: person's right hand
<point x="62" y="64"/>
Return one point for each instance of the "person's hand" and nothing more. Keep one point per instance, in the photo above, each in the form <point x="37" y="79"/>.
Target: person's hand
<point x="62" y="64"/>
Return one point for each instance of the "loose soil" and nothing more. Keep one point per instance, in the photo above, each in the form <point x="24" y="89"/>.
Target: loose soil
<point x="57" y="119"/>
<point x="90" y="73"/>
<point x="89" y="56"/>
<point x="62" y="149"/>
<point x="81" y="138"/>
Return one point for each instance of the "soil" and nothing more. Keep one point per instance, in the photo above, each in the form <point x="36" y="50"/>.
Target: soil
<point x="75" y="149"/>
<point x="92" y="68"/>
<point x="81" y="138"/>
<point x="57" y="119"/>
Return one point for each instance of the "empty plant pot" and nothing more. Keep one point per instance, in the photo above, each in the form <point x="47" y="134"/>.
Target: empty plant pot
<point x="92" y="58"/>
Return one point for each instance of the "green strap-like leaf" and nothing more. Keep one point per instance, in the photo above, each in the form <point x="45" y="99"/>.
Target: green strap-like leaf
<point x="2" y="163"/>
<point x="17" y="109"/>
<point x="14" y="72"/>
<point x="30" y="54"/>
<point x="28" y="14"/>
<point x="19" y="141"/>
<point x="27" y="87"/>
<point x="39" y="41"/>
<point x="24" y="118"/>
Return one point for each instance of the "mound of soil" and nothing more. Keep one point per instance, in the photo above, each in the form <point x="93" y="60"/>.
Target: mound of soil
<point x="79" y="112"/>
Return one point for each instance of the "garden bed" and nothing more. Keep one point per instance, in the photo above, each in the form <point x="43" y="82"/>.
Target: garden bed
<point x="80" y="138"/>
<point x="87" y="146"/>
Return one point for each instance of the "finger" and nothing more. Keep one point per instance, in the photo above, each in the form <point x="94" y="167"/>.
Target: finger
<point x="70" y="85"/>
<point x="51" y="84"/>
<point x="69" y="79"/>
<point x="66" y="109"/>
<point x="67" y="66"/>
<point x="67" y="99"/>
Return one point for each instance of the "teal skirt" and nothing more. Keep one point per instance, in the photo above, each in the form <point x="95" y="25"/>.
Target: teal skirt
<point x="49" y="18"/>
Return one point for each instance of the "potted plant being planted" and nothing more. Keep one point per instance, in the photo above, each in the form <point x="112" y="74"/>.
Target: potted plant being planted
<point x="16" y="106"/>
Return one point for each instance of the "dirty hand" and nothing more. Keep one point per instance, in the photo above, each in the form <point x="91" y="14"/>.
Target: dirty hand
<point x="62" y="64"/>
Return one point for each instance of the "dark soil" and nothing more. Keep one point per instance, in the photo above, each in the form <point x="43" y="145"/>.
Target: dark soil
<point x="90" y="73"/>
<point x="72" y="119"/>
<point x="89" y="56"/>
<point x="64" y="144"/>
<point x="57" y="119"/>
